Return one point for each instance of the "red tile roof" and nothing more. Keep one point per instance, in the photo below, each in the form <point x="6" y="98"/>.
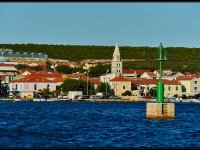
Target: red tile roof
<point x="171" y="82"/>
<point x="197" y="75"/>
<point x="95" y="80"/>
<point x="188" y="73"/>
<point x="59" y="79"/>
<point x="119" y="79"/>
<point x="131" y="71"/>
<point x="7" y="65"/>
<point x="151" y="74"/>
<point x="42" y="76"/>
<point x="143" y="81"/>
<point x="33" y="79"/>
<point x="75" y="75"/>
<point x="29" y="70"/>
<point x="185" y="78"/>
<point x="47" y="74"/>
<point x="64" y="65"/>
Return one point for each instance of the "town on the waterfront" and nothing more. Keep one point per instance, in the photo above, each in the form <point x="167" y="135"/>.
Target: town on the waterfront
<point x="99" y="75"/>
<point x="31" y="76"/>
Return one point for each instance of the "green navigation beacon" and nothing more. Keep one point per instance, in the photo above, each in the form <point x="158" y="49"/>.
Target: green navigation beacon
<point x="161" y="56"/>
<point x="160" y="109"/>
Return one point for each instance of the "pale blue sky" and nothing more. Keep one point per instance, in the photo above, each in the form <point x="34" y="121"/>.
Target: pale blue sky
<point x="129" y="24"/>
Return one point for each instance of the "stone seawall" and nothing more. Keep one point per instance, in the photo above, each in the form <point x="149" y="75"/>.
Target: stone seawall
<point x="131" y="98"/>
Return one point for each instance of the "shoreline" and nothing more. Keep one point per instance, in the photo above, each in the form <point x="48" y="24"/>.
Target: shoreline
<point x="96" y="100"/>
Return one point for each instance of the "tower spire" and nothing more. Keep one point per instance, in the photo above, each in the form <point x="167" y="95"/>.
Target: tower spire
<point x="116" y="54"/>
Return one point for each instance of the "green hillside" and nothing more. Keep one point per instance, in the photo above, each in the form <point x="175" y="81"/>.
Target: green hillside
<point x="180" y="58"/>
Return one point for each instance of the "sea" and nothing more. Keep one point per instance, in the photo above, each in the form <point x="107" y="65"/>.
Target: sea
<point x="96" y="125"/>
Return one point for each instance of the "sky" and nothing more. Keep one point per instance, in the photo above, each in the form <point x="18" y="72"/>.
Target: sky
<point x="128" y="24"/>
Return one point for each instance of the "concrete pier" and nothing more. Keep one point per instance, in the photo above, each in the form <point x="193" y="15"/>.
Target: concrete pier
<point x="160" y="110"/>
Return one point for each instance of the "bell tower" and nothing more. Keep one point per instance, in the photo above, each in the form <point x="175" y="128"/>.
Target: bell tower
<point x="116" y="65"/>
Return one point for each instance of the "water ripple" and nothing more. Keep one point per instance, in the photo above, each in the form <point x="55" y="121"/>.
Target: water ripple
<point x="102" y="124"/>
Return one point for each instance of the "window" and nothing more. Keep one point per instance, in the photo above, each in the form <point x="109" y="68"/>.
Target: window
<point x="16" y="87"/>
<point x="123" y="87"/>
<point x="177" y="88"/>
<point x="35" y="87"/>
<point x="147" y="88"/>
<point x="195" y="82"/>
<point x="47" y="86"/>
<point x="169" y="88"/>
<point x="195" y="88"/>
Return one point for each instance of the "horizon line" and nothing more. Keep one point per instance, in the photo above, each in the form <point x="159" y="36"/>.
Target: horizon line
<point x="94" y="45"/>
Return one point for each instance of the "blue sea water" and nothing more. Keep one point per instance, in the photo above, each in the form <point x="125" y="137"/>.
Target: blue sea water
<point x="96" y="125"/>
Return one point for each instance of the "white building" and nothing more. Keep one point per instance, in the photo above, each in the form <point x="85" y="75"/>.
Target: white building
<point x="148" y="75"/>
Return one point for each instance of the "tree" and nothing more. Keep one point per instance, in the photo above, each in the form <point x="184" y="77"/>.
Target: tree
<point x="48" y="65"/>
<point x="98" y="70"/>
<point x="102" y="88"/>
<point x="175" y="95"/>
<point x="64" y="69"/>
<point x="153" y="91"/>
<point x="78" y="69"/>
<point x="21" y="66"/>
<point x="76" y="85"/>
<point x="46" y="92"/>
<point x="141" y="91"/>
<point x="127" y="93"/>
<point x="184" y="96"/>
<point x="70" y="85"/>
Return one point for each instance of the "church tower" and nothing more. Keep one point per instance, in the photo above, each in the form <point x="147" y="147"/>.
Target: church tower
<point x="116" y="66"/>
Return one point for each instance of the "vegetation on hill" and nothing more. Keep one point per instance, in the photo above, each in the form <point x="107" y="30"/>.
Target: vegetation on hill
<point x="180" y="58"/>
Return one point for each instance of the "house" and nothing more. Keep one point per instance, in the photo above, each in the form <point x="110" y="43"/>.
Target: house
<point x="168" y="75"/>
<point x="7" y="71"/>
<point x="148" y="75"/>
<point x="120" y="85"/>
<point x="191" y="84"/>
<point x="30" y="84"/>
<point x="75" y="76"/>
<point x="132" y="73"/>
<point x="26" y="71"/>
<point x="93" y="80"/>
<point x="176" y="75"/>
<point x="33" y="65"/>
<point x="88" y="65"/>
<point x="107" y="77"/>
<point x="171" y="87"/>
<point x="165" y="72"/>
<point x="142" y="85"/>
<point x="189" y="74"/>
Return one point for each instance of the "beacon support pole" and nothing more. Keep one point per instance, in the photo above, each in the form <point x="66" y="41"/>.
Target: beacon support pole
<point x="160" y="85"/>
